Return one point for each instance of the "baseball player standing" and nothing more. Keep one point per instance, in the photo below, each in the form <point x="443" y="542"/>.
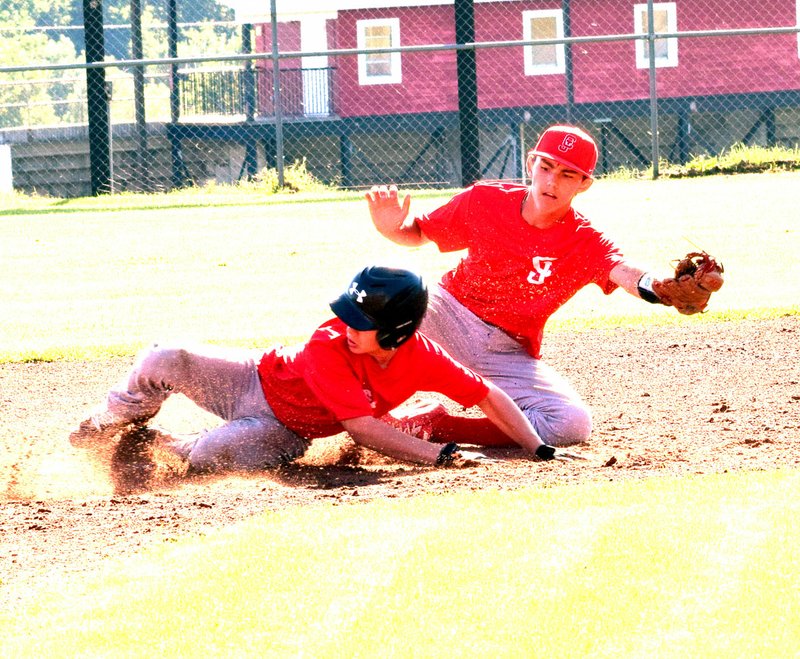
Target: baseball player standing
<point x="354" y="369"/>
<point x="528" y="252"/>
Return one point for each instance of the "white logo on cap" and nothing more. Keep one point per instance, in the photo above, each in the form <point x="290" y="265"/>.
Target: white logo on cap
<point x="567" y="143"/>
<point x="360" y="295"/>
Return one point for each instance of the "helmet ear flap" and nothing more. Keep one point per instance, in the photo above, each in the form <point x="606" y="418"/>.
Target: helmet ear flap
<point x="386" y="340"/>
<point x="392" y="338"/>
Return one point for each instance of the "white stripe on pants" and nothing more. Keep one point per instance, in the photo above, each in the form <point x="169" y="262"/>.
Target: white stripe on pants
<point x="222" y="381"/>
<point x="553" y="407"/>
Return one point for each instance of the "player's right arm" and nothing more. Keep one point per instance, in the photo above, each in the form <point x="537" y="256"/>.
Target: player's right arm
<point x="390" y="217"/>
<point x="379" y="436"/>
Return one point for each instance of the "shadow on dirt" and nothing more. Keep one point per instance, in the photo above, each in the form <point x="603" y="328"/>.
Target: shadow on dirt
<point x="138" y="463"/>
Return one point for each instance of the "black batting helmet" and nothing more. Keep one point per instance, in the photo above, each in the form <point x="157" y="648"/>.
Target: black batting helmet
<point x="390" y="300"/>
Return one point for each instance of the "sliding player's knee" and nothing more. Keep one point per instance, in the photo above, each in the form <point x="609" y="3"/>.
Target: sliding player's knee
<point x="572" y="425"/>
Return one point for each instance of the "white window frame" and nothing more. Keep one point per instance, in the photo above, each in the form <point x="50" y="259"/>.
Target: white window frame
<point x="395" y="75"/>
<point x="642" y="46"/>
<point x="559" y="66"/>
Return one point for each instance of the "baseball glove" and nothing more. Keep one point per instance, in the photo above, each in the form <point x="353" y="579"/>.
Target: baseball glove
<point x="697" y="276"/>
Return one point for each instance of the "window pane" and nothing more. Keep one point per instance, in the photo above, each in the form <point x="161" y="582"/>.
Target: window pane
<point x="379" y="65"/>
<point x="544" y="27"/>
<point x="661" y="22"/>
<point x="383" y="67"/>
<point x="661" y="47"/>
<point x="660" y="18"/>
<point x="378" y="36"/>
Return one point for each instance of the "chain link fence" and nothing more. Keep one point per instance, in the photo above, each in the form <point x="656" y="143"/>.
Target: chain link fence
<point x="436" y="95"/>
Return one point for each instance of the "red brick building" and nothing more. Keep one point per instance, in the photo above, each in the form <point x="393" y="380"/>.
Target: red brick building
<point x="712" y="89"/>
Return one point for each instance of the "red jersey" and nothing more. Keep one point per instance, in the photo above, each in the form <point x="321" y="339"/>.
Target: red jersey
<point x="516" y="276"/>
<point x="314" y="387"/>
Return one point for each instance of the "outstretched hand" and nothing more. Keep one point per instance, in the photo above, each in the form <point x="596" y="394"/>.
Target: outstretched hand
<point x="565" y="456"/>
<point x="385" y="208"/>
<point x="546" y="452"/>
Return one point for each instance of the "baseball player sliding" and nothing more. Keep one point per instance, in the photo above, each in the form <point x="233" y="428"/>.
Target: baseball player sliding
<point x="527" y="252"/>
<point x="351" y="373"/>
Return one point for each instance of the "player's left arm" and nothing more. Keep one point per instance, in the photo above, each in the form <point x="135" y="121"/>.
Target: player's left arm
<point x="627" y="277"/>
<point x="689" y="290"/>
<point x="696" y="277"/>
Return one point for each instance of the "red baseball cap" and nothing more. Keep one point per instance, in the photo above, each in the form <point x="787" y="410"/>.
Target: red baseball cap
<point x="569" y="146"/>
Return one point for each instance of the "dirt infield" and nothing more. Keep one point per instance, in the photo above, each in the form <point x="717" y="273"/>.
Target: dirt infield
<point x="696" y="398"/>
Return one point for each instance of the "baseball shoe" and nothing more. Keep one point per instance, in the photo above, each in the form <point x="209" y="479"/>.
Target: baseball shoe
<point x="417" y="419"/>
<point x="100" y="428"/>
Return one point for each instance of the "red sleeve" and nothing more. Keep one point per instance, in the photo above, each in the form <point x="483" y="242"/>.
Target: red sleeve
<point x="447" y="225"/>
<point x="605" y="256"/>
<point x="443" y="374"/>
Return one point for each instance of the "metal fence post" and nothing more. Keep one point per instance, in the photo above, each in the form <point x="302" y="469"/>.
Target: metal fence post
<point x="651" y="49"/>
<point x="276" y="93"/>
<point x="250" y="165"/>
<point x="97" y="100"/>
<point x="137" y="53"/>
<point x="569" y="74"/>
<point x="179" y="172"/>
<point x="466" y="70"/>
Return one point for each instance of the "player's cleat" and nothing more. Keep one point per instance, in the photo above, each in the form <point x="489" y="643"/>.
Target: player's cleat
<point x="418" y="419"/>
<point x="100" y="428"/>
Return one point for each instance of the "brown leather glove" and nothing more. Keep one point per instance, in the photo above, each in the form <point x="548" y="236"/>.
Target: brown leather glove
<point x="697" y="276"/>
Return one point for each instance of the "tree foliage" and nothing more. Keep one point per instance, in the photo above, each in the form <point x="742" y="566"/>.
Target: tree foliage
<point x="41" y="32"/>
<point x="32" y="103"/>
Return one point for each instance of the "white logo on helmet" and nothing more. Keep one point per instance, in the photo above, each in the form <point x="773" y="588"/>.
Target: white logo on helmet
<point x="567" y="143"/>
<point x="359" y="295"/>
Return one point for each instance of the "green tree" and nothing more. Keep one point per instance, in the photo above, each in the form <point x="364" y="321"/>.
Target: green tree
<point x="27" y="98"/>
<point x="40" y="32"/>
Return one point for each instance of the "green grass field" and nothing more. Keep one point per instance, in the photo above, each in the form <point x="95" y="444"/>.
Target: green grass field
<point x="82" y="281"/>
<point x="692" y="567"/>
<point x="696" y="567"/>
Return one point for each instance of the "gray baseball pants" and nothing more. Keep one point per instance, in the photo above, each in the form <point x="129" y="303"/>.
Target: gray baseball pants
<point x="553" y="407"/>
<point x="222" y="381"/>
